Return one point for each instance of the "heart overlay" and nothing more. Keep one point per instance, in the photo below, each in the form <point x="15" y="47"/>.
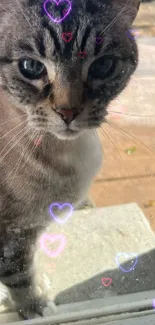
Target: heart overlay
<point x="82" y="55"/>
<point x="126" y="256"/>
<point x="60" y="207"/>
<point x="37" y="142"/>
<point x="132" y="33"/>
<point x="50" y="267"/>
<point x="99" y="40"/>
<point x="56" y="8"/>
<point x="51" y="239"/>
<point x="67" y="37"/>
<point x="106" y="281"/>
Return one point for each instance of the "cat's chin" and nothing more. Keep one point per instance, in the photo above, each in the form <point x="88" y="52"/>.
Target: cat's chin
<point x="68" y="134"/>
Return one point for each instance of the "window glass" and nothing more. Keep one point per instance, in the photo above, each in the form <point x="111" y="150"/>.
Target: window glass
<point x="77" y="171"/>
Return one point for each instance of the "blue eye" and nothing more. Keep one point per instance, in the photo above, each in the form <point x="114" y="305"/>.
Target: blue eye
<point x="31" y="69"/>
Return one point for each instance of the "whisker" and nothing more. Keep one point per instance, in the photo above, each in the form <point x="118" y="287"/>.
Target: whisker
<point x="3" y="8"/>
<point x="104" y="157"/>
<point x="129" y="176"/>
<point x="15" y="136"/>
<point x="41" y="136"/>
<point x="33" y="149"/>
<point x="13" y="145"/>
<point x="23" y="14"/>
<point x="136" y="115"/>
<point x="117" y="151"/>
<point x="115" y="19"/>
<point x="11" y="120"/>
<point x="134" y="139"/>
<point x="12" y="130"/>
<point x="21" y="157"/>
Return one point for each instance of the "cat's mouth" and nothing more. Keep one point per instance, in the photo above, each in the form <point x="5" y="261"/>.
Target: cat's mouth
<point x="68" y="134"/>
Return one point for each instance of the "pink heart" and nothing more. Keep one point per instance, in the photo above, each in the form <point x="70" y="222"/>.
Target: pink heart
<point x="67" y="37"/>
<point x="59" y="4"/>
<point x="52" y="238"/>
<point x="106" y="281"/>
<point x="37" y="142"/>
<point x="82" y="55"/>
<point x="50" y="267"/>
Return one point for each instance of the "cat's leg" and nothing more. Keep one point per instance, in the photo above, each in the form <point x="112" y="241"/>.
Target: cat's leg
<point x="86" y="204"/>
<point x="4" y="294"/>
<point x="17" y="275"/>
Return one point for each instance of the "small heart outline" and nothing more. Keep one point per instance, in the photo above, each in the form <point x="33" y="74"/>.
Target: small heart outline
<point x="37" y="142"/>
<point x="82" y="55"/>
<point x="66" y="34"/>
<point x="131" y="33"/>
<point x="104" y="280"/>
<point x="97" y="38"/>
<point x="60" y="207"/>
<point x="52" y="238"/>
<point x="129" y="256"/>
<point x="51" y="266"/>
<point x="59" y="20"/>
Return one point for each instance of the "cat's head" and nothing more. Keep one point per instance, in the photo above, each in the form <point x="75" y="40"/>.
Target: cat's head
<point x="61" y="90"/>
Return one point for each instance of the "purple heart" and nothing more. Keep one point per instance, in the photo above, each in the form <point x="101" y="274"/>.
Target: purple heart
<point x="132" y="33"/>
<point x="99" y="40"/>
<point x="126" y="255"/>
<point x="58" y="3"/>
<point x="60" y="207"/>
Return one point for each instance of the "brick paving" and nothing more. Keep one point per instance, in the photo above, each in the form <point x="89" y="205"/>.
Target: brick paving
<point x="127" y="175"/>
<point x="128" y="171"/>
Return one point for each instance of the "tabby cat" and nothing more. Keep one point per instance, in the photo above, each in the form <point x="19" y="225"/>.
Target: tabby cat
<point x="55" y="91"/>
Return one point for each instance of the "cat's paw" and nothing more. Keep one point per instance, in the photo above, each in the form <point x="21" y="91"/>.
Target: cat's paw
<point x="50" y="309"/>
<point x="32" y="309"/>
<point x="86" y="205"/>
<point x="4" y="294"/>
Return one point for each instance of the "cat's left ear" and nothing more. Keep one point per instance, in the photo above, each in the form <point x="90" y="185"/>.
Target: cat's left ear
<point x="130" y="8"/>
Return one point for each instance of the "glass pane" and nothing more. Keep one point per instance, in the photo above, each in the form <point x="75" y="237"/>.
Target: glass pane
<point x="77" y="204"/>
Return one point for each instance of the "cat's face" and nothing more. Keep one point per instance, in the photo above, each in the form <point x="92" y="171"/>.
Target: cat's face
<point x="61" y="90"/>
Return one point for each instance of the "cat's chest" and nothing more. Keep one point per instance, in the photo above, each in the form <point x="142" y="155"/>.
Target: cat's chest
<point x="67" y="178"/>
<point x="70" y="173"/>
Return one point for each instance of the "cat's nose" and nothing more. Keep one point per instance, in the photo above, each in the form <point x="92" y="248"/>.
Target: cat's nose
<point x="67" y="114"/>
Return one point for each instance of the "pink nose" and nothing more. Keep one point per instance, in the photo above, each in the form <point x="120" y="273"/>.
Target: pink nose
<point x="67" y="114"/>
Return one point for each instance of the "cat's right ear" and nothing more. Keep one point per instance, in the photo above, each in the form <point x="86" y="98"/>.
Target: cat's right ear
<point x="128" y="7"/>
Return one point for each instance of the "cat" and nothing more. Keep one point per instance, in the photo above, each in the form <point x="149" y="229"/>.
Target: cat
<point x="48" y="91"/>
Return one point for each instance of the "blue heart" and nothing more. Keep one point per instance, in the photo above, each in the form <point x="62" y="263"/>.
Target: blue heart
<point x="126" y="255"/>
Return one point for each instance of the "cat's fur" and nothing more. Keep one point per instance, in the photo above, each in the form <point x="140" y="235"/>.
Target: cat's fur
<point x="63" y="166"/>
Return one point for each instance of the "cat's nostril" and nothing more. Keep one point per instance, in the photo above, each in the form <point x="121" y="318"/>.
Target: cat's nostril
<point x="67" y="114"/>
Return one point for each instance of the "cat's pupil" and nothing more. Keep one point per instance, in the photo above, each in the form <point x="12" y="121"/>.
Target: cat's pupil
<point x="29" y="65"/>
<point x="101" y="68"/>
<point x="31" y="69"/>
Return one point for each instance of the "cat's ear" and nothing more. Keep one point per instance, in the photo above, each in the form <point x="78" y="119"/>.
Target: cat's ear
<point x="130" y="8"/>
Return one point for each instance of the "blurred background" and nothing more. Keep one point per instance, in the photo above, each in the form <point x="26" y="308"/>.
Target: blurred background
<point x="128" y="141"/>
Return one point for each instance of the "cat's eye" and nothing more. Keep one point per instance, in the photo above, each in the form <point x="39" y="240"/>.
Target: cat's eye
<point x="31" y="69"/>
<point x="102" y="68"/>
